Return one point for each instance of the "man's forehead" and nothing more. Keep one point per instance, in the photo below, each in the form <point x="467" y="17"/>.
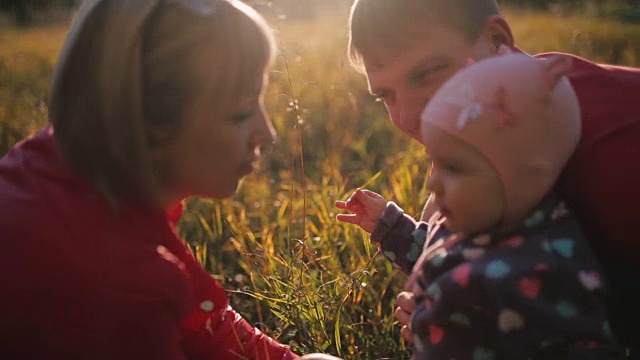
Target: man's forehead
<point x="377" y="60"/>
<point x="403" y="65"/>
<point x="385" y="49"/>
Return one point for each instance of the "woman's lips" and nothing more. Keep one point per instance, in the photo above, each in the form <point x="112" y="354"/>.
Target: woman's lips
<point x="248" y="167"/>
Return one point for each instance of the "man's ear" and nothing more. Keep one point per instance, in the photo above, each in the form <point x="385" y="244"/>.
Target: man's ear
<point x="505" y="50"/>
<point x="497" y="32"/>
<point x="555" y="67"/>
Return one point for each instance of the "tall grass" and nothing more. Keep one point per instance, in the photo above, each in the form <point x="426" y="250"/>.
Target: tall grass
<point x="26" y="61"/>
<point x="597" y="39"/>
<point x="290" y="268"/>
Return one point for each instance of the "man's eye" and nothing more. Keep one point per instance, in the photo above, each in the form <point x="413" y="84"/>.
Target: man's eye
<point x="423" y="76"/>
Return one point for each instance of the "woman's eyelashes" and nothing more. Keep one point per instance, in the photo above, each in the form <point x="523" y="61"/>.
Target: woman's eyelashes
<point x="382" y="96"/>
<point x="248" y="109"/>
<point x="450" y="167"/>
<point x="243" y="116"/>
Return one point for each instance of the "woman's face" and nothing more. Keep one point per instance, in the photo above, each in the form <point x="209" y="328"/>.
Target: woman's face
<point x="212" y="154"/>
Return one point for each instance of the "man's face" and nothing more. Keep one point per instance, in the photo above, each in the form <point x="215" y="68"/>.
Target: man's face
<point x="408" y="78"/>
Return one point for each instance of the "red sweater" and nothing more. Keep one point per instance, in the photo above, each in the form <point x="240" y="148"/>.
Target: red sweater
<point x="602" y="181"/>
<point x="80" y="281"/>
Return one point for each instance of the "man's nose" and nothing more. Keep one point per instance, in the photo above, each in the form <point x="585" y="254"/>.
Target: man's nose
<point x="407" y="115"/>
<point x="406" y="121"/>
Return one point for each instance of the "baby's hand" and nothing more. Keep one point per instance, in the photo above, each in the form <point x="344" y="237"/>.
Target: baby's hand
<point x="366" y="206"/>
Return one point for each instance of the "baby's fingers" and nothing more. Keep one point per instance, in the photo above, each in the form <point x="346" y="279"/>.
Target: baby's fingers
<point x="370" y="194"/>
<point x="353" y="206"/>
<point x="352" y="200"/>
<point x="341" y="205"/>
<point x="348" y="218"/>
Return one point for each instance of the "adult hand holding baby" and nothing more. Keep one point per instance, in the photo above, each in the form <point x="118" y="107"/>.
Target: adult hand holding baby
<point x="406" y="301"/>
<point x="406" y="304"/>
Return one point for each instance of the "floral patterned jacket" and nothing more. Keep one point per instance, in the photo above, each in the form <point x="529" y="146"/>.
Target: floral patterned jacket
<point x="535" y="293"/>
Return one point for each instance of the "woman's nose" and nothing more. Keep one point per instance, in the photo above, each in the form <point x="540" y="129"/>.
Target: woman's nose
<point x="264" y="134"/>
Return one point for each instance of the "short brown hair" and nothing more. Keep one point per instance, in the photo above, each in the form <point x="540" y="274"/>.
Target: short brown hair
<point x="128" y="71"/>
<point x="387" y="24"/>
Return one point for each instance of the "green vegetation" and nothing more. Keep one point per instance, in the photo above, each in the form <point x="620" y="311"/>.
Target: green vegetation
<point x="289" y="266"/>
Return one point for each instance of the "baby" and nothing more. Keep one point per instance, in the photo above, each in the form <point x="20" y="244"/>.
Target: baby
<point x="502" y="269"/>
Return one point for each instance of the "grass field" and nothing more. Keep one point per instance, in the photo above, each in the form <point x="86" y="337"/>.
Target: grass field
<point x="291" y="269"/>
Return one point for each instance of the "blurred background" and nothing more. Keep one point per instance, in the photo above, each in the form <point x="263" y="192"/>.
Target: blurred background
<point x="289" y="267"/>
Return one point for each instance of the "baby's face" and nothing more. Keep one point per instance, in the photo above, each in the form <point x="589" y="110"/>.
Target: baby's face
<point x="467" y="189"/>
<point x="521" y="114"/>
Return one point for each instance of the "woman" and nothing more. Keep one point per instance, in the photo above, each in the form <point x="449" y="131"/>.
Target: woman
<point x="151" y="101"/>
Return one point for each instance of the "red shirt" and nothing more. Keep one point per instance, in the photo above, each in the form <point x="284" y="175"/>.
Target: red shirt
<point x="79" y="280"/>
<point x="602" y="181"/>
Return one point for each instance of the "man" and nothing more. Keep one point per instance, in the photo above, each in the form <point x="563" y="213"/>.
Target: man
<point x="409" y="48"/>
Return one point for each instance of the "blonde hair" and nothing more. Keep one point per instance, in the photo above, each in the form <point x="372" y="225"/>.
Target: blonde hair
<point x="129" y="69"/>
<point x="380" y="27"/>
